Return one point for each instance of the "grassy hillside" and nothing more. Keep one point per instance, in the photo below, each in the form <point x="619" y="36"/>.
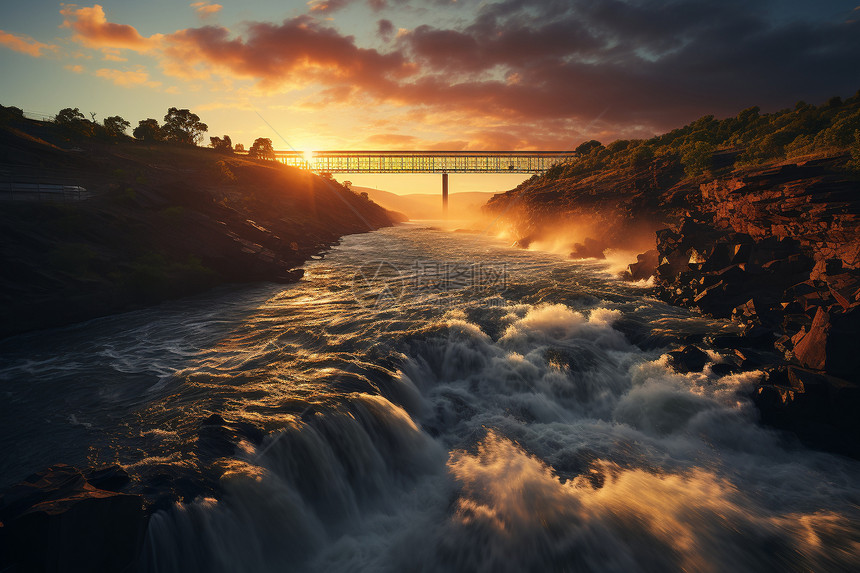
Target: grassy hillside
<point x="749" y="139"/>
<point x="156" y="221"/>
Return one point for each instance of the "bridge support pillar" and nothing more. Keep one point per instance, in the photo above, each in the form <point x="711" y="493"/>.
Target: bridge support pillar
<point x="445" y="195"/>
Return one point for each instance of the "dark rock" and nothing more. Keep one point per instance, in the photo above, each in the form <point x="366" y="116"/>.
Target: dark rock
<point x="56" y="521"/>
<point x="588" y="249"/>
<point x="821" y="410"/>
<point x="645" y="266"/>
<point x="218" y="438"/>
<point x="524" y="242"/>
<point x="689" y="359"/>
<point x="825" y="267"/>
<point x="109" y="478"/>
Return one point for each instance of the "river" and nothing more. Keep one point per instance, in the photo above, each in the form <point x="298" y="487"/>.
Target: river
<point x="428" y="401"/>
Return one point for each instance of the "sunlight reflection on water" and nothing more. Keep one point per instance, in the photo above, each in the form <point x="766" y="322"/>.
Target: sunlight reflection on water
<point x="415" y="417"/>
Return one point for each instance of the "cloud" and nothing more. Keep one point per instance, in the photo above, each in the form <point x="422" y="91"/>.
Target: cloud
<point x="385" y="29"/>
<point x="25" y="44"/>
<point x="127" y="79"/>
<point x="92" y="29"/>
<point x="78" y="69"/>
<point x="327" y="6"/>
<point x="299" y="50"/>
<point x="617" y="67"/>
<point x="206" y="10"/>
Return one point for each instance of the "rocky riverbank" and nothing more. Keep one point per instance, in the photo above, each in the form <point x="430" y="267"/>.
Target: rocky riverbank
<point x="155" y="222"/>
<point x="778" y="250"/>
<point x="773" y="247"/>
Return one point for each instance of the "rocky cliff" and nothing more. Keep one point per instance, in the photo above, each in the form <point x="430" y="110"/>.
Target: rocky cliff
<point x="775" y="247"/>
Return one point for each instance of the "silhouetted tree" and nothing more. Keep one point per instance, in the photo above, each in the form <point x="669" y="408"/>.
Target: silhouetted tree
<point x="10" y="113"/>
<point x="239" y="147"/>
<point x="71" y="119"/>
<point x="221" y="144"/>
<point x="588" y="146"/>
<point x="115" y="125"/>
<point x="69" y="116"/>
<point x="182" y="126"/>
<point x="148" y="130"/>
<point x="262" y="149"/>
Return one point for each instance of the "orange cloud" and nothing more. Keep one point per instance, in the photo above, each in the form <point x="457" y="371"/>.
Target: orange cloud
<point x="24" y="44"/>
<point x="205" y="10"/>
<point x="327" y="5"/>
<point x="296" y="52"/>
<point x="127" y="79"/>
<point x="78" y="69"/>
<point x="92" y="28"/>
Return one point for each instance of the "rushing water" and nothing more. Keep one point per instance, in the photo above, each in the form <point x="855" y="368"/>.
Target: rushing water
<point x="428" y="401"/>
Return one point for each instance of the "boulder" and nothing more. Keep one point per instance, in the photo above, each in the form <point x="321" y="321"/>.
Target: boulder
<point x="588" y="249"/>
<point x="57" y="521"/>
<point x="688" y="359"/>
<point x="820" y="409"/>
<point x="831" y="342"/>
<point x="645" y="265"/>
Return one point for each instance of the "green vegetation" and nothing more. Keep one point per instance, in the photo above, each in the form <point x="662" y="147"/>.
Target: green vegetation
<point x="74" y="123"/>
<point x="182" y="126"/>
<point x="148" y="130"/>
<point x="222" y="144"/>
<point x="262" y="149"/>
<point x="750" y="138"/>
<point x="115" y="125"/>
<point x="10" y="113"/>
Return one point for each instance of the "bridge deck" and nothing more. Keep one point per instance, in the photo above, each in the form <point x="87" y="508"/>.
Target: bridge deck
<point x="425" y="161"/>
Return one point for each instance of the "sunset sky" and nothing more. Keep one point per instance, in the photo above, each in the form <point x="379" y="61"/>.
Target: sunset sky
<point x="433" y="74"/>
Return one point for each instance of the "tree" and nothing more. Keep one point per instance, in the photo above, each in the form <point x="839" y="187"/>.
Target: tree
<point x="855" y="151"/>
<point x="72" y="120"/>
<point x="10" y="113"/>
<point x="221" y="144"/>
<point x="262" y="149"/>
<point x="697" y="158"/>
<point x="182" y="126"/>
<point x="69" y="117"/>
<point x="347" y="184"/>
<point x="641" y="155"/>
<point x="148" y="130"/>
<point x="115" y="125"/>
<point x="238" y="147"/>
<point x="588" y="146"/>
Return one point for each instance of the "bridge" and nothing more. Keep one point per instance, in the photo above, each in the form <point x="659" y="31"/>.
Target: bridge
<point x="443" y="162"/>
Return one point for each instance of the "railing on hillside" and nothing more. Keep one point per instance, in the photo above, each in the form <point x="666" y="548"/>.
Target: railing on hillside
<point x="19" y="183"/>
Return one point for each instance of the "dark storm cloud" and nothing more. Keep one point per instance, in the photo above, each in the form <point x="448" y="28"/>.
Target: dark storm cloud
<point x="385" y="29"/>
<point x="656" y="63"/>
<point x="639" y="66"/>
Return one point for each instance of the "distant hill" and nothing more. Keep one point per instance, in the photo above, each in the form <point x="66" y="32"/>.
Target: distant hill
<point x="429" y="205"/>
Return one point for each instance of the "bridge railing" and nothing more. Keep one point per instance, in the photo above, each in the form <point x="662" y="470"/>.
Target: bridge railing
<point x="425" y="161"/>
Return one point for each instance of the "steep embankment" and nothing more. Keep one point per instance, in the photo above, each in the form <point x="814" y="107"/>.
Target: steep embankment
<point x="155" y="222"/>
<point x="775" y="247"/>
